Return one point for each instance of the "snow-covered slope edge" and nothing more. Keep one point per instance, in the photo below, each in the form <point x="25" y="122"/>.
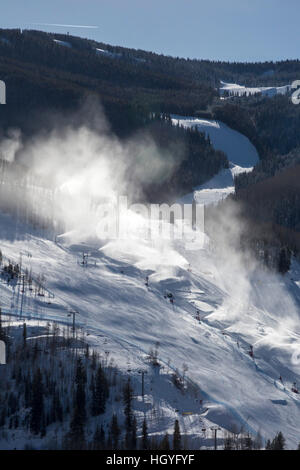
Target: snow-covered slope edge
<point x="233" y="89"/>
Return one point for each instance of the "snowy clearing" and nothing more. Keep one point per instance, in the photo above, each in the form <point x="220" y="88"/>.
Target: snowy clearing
<point x="62" y="43"/>
<point x="233" y="89"/>
<point x="104" y="52"/>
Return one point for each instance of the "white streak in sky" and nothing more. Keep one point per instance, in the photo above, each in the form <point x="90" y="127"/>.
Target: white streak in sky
<point x="65" y="25"/>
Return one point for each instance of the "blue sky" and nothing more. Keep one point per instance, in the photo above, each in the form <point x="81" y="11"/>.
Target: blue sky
<point x="241" y="30"/>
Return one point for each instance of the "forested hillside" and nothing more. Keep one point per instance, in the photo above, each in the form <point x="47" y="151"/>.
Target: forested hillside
<point x="57" y="394"/>
<point x="272" y="124"/>
<point x="46" y="80"/>
<point x="40" y="72"/>
<point x="272" y="199"/>
<point x="271" y="192"/>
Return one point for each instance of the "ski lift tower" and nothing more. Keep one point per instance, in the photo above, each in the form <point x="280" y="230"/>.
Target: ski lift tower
<point x="24" y="253"/>
<point x="143" y="372"/>
<point x="84" y="261"/>
<point x="73" y="313"/>
<point x="215" y="430"/>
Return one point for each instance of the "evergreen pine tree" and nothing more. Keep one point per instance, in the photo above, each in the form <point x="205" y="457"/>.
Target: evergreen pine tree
<point x="268" y="445"/>
<point x="278" y="442"/>
<point x="100" y="393"/>
<point x="176" y="436"/>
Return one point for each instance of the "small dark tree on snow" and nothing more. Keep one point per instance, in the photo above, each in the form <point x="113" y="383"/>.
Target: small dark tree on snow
<point x="165" y="443"/>
<point x="177" y="380"/>
<point x="268" y="445"/>
<point x="130" y="420"/>
<point x="278" y="442"/>
<point x="176" y="436"/>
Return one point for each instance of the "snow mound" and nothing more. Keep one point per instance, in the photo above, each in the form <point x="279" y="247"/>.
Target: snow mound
<point x="113" y="55"/>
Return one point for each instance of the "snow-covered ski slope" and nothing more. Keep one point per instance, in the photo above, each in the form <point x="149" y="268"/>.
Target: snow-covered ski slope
<point x="241" y="153"/>
<point x="124" y="317"/>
